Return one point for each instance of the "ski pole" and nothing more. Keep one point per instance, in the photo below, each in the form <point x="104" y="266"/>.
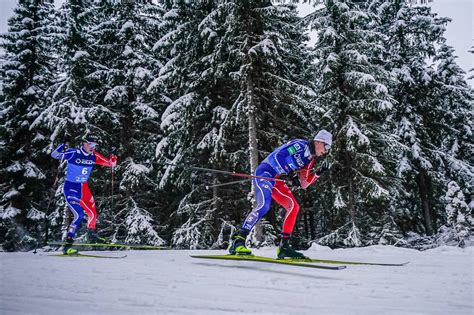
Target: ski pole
<point x="113" y="149"/>
<point x="229" y="183"/>
<point x="112" y="190"/>
<point x="227" y="172"/>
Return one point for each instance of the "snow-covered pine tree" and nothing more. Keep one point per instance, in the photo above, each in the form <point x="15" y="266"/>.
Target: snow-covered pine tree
<point x="28" y="70"/>
<point x="74" y="105"/>
<point x="76" y="108"/>
<point x="190" y="122"/>
<point x="413" y="33"/>
<point x="246" y="59"/>
<point x="271" y="107"/>
<point x="454" y="103"/>
<point x="353" y="88"/>
<point x="125" y="33"/>
<point x="459" y="222"/>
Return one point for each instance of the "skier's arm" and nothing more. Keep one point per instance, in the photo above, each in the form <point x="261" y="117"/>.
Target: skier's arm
<point x="305" y="176"/>
<point x="59" y="153"/>
<point x="102" y="160"/>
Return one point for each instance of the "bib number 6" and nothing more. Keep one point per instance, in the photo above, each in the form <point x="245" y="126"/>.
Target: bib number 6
<point x="84" y="171"/>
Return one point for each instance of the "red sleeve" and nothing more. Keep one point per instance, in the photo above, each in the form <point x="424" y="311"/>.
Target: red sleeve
<point x="101" y="160"/>
<point x="305" y="177"/>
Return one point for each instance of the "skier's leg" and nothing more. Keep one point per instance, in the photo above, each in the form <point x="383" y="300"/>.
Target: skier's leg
<point x="284" y="197"/>
<point x="72" y="193"/>
<point x="88" y="203"/>
<point x="263" y="193"/>
<point x="263" y="197"/>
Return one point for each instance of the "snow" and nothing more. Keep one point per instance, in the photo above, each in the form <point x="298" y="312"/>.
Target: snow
<point x="32" y="171"/>
<point x="8" y="212"/>
<point x="127" y="51"/>
<point x="12" y="193"/>
<point x="159" y="147"/>
<point x="437" y="281"/>
<point x="208" y="140"/>
<point x="35" y="214"/>
<point x="80" y="54"/>
<point x="126" y="27"/>
<point x="139" y="222"/>
<point x="354" y="131"/>
<point x="173" y="110"/>
<point x="166" y="175"/>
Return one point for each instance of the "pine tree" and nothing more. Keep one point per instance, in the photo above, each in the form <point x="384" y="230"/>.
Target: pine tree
<point x="272" y="105"/>
<point x="421" y="121"/>
<point x="73" y="95"/>
<point x="454" y="103"/>
<point x="459" y="220"/>
<point x="28" y="72"/>
<point x="125" y="33"/>
<point x="77" y="106"/>
<point x="190" y="120"/>
<point x="247" y="78"/>
<point x="353" y="87"/>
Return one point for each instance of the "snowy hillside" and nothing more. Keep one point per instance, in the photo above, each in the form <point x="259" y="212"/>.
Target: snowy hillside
<point x="438" y="281"/>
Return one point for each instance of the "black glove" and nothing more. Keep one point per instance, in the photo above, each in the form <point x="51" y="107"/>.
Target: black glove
<point x="320" y="170"/>
<point x="295" y="181"/>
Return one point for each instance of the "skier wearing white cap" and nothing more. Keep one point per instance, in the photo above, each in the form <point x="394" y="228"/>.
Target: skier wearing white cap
<point x="294" y="156"/>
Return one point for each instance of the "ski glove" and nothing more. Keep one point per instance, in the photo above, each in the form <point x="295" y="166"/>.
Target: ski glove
<point x="294" y="180"/>
<point x="320" y="170"/>
<point x="113" y="160"/>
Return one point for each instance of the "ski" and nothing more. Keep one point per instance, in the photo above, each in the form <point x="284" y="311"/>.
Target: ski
<point x="136" y="246"/>
<point x="325" y="261"/>
<point x="79" y="255"/>
<point x="268" y="260"/>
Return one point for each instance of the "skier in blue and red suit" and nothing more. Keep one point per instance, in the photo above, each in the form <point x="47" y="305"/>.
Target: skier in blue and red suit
<point x="294" y="156"/>
<point x="76" y="190"/>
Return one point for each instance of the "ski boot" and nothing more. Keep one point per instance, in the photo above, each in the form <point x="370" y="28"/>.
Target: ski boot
<point x="237" y="246"/>
<point x="67" y="249"/>
<point x="285" y="251"/>
<point x="93" y="238"/>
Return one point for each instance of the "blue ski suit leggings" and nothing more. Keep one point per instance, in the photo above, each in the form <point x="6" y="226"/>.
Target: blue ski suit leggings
<point x="265" y="190"/>
<point x="80" y="200"/>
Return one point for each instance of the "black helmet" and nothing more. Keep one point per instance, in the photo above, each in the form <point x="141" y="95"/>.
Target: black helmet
<point x="91" y="141"/>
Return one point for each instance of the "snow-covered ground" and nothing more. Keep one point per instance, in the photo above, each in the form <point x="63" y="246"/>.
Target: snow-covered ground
<point x="438" y="281"/>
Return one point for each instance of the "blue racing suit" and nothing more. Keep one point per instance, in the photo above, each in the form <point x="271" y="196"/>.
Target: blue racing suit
<point x="76" y="190"/>
<point x="294" y="155"/>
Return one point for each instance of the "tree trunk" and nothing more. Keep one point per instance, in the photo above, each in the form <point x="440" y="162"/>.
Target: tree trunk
<point x="423" y="179"/>
<point x="312" y="230"/>
<point x="66" y="222"/>
<point x="350" y="184"/>
<point x="253" y="146"/>
<point x="216" y="203"/>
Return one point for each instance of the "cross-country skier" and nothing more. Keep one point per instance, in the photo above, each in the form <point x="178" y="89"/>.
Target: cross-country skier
<point x="294" y="156"/>
<point x="76" y="190"/>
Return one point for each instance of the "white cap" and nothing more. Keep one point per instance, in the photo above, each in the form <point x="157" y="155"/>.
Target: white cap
<point x="324" y="136"/>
